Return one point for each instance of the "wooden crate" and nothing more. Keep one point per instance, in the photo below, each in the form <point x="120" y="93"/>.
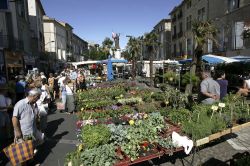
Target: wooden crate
<point x="219" y="134"/>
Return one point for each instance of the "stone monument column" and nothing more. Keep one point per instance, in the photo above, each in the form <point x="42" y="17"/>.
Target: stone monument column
<point x="117" y="51"/>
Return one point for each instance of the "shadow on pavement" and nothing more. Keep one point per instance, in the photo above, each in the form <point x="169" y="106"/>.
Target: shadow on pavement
<point x="214" y="161"/>
<point x="52" y="127"/>
<point x="46" y="149"/>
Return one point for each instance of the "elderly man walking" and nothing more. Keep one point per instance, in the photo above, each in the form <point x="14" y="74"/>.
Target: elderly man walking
<point x="25" y="117"/>
<point x="209" y="89"/>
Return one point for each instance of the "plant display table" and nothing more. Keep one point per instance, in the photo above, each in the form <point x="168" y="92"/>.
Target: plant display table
<point x="124" y="124"/>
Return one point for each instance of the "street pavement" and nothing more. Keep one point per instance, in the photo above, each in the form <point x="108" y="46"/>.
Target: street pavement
<point x="61" y="139"/>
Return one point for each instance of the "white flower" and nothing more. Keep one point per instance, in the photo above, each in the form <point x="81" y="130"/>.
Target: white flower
<point x="214" y="107"/>
<point x="222" y="105"/>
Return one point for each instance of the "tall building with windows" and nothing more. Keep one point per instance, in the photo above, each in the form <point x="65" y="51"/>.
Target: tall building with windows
<point x="229" y="16"/>
<point x="38" y="57"/>
<point x="55" y="37"/>
<point x="233" y="26"/>
<point x="163" y="29"/>
<point x="80" y="49"/>
<point x="69" y="40"/>
<point x="14" y="36"/>
<point x="182" y="18"/>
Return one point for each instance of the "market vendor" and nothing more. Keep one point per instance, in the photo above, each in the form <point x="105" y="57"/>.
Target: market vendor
<point x="246" y="88"/>
<point x="209" y="89"/>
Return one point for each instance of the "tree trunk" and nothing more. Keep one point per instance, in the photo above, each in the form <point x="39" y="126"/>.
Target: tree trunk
<point x="133" y="68"/>
<point x="151" y="69"/>
<point x="195" y="68"/>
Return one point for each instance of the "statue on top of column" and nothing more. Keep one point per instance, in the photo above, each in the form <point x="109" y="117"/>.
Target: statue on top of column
<point x="116" y="37"/>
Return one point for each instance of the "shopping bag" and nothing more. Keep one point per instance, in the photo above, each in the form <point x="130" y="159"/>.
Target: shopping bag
<point x="19" y="152"/>
<point x="60" y="106"/>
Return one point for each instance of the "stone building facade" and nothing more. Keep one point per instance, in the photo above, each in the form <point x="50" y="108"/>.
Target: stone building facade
<point x="163" y="29"/>
<point x="229" y="16"/>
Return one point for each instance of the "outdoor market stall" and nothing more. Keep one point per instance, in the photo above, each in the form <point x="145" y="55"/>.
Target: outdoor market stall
<point x="110" y="62"/>
<point x="128" y="123"/>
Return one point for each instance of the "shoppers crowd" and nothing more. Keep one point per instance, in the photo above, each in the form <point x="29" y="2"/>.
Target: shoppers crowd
<point x="26" y="101"/>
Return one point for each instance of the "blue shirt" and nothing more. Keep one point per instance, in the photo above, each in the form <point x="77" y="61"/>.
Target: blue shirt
<point x="73" y="75"/>
<point x="26" y="115"/>
<point x="223" y="88"/>
<point x="20" y="86"/>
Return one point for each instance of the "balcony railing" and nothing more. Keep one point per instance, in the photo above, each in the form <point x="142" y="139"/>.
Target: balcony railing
<point x="7" y="41"/>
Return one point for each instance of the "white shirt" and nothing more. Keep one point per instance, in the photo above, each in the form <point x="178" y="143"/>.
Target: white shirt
<point x="43" y="76"/>
<point x="248" y="83"/>
<point x="60" y="80"/>
<point x="68" y="90"/>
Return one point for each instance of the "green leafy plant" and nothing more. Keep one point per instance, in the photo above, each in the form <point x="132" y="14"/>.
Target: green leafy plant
<point x="74" y="158"/>
<point x="179" y="116"/>
<point x="118" y="134"/>
<point x="187" y="77"/>
<point x="104" y="155"/>
<point x="158" y="96"/>
<point x="129" y="101"/>
<point x="141" y="131"/>
<point x="166" y="143"/>
<point x="94" y="136"/>
<point x="170" y="77"/>
<point x="202" y="124"/>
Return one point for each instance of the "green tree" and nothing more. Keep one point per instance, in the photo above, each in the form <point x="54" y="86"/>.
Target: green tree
<point x="203" y="31"/>
<point x="134" y="47"/>
<point x="151" y="44"/>
<point x="107" y="45"/>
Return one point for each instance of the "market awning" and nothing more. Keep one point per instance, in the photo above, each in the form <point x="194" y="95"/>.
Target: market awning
<point x="114" y="60"/>
<point x="241" y="58"/>
<point x="211" y="59"/>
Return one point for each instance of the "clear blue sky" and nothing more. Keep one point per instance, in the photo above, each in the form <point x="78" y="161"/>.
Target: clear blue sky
<point x="93" y="20"/>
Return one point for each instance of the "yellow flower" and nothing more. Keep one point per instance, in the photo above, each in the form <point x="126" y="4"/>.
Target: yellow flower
<point x="145" y="116"/>
<point x="80" y="147"/>
<point x="214" y="107"/>
<point x="131" y="122"/>
<point x="82" y="109"/>
<point x="222" y="105"/>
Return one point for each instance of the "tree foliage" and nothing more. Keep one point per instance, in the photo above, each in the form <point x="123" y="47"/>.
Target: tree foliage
<point x="134" y="48"/>
<point x="151" y="43"/>
<point x="202" y="31"/>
